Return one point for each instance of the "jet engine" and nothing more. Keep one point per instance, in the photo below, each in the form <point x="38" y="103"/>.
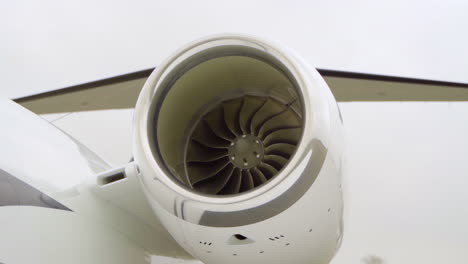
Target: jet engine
<point x="239" y="148"/>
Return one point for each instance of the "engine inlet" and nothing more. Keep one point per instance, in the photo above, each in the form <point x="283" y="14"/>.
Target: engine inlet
<point x="241" y="144"/>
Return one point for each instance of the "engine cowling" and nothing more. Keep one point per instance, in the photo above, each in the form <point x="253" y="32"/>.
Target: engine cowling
<point x="239" y="150"/>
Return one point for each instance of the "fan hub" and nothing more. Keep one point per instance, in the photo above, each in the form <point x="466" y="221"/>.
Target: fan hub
<point x="246" y="151"/>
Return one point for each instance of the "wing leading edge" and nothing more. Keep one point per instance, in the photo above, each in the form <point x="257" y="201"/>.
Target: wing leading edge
<point x="122" y="91"/>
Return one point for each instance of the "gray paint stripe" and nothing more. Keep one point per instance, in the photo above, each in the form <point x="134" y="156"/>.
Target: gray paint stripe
<point x="274" y="207"/>
<point x="15" y="192"/>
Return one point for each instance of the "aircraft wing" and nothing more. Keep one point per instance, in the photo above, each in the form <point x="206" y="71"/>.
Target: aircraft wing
<point x="122" y="91"/>
<point x="54" y="208"/>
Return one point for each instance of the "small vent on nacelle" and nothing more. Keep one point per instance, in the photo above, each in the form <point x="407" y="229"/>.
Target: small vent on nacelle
<point x="111" y="176"/>
<point x="276" y="238"/>
<point x="239" y="239"/>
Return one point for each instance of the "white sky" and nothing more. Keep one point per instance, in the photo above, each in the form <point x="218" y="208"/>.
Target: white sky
<point x="409" y="161"/>
<point x="52" y="44"/>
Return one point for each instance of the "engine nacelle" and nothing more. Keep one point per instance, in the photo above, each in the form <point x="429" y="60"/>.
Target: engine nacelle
<point x="239" y="150"/>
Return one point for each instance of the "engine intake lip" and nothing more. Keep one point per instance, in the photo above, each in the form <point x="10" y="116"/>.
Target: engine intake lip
<point x="161" y="80"/>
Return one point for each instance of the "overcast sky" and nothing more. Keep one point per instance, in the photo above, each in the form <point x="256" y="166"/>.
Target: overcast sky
<point x="52" y="44"/>
<point x="408" y="164"/>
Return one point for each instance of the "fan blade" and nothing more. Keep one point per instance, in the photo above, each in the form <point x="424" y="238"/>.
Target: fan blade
<point x="269" y="110"/>
<point x="231" y="115"/>
<point x="198" y="171"/>
<point x="215" y="120"/>
<point x="201" y="153"/>
<point x="277" y="162"/>
<point x="205" y="136"/>
<point x="215" y="184"/>
<point x="267" y="170"/>
<point x="287" y="119"/>
<point x="234" y="183"/>
<point x="247" y="181"/>
<point x="280" y="149"/>
<point x="258" y="177"/>
<point x="251" y="105"/>
<point x="290" y="136"/>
